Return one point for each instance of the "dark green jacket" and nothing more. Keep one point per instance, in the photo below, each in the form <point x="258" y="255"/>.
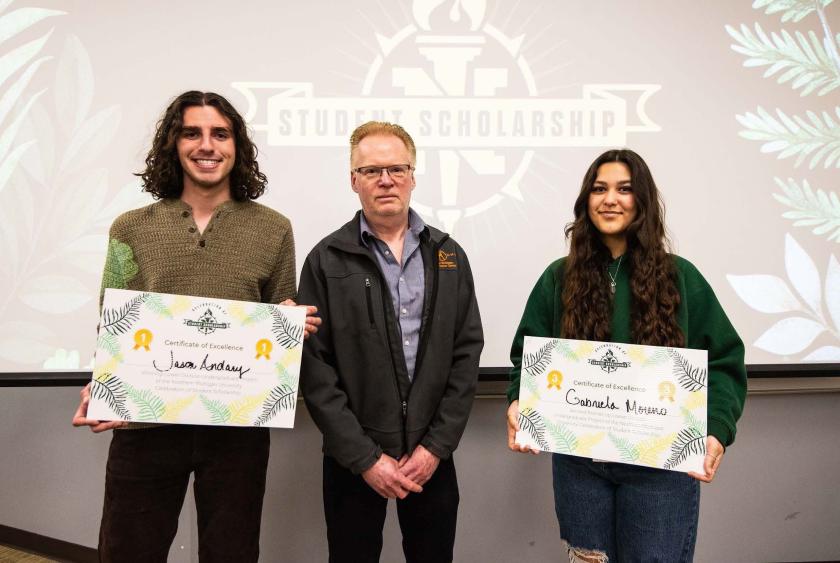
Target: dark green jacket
<point x="700" y="316"/>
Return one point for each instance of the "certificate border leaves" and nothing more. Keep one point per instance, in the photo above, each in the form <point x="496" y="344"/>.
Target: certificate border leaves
<point x="286" y="334"/>
<point x="540" y="428"/>
<point x="108" y="387"/>
<point x="691" y="378"/>
<point x="119" y="320"/>
<point x="280" y="398"/>
<point x="557" y="437"/>
<point x="144" y="405"/>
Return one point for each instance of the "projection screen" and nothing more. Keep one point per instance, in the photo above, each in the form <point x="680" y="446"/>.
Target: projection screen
<point x="734" y="105"/>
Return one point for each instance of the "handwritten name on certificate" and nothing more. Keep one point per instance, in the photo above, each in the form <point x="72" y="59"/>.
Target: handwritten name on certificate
<point x="193" y="360"/>
<point x="643" y="405"/>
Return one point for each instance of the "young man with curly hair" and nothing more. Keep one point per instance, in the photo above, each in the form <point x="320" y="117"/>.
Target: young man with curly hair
<point x="205" y="236"/>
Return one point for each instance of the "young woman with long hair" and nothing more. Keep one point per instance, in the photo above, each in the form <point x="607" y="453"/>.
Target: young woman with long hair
<point x="620" y="284"/>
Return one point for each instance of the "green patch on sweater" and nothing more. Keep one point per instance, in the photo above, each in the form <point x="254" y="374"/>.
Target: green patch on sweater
<point x="120" y="267"/>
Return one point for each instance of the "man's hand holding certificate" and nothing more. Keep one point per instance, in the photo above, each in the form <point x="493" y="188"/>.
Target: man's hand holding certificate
<point x="643" y="405"/>
<point x="194" y="360"/>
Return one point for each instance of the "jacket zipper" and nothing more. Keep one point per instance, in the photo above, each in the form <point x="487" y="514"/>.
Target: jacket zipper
<point x="421" y="350"/>
<point x="403" y="403"/>
<point x="369" y="301"/>
<point x="422" y="347"/>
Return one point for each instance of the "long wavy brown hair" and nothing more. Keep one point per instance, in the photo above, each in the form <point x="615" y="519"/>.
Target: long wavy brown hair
<point x="164" y="176"/>
<point x="653" y="276"/>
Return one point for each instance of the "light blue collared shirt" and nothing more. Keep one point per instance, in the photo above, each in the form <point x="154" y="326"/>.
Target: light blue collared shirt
<point x="406" y="282"/>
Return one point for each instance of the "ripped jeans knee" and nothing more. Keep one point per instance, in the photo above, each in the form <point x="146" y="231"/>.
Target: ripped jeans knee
<point x="580" y="555"/>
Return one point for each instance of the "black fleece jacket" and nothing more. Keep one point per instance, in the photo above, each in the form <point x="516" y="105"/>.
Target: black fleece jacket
<point x="353" y="376"/>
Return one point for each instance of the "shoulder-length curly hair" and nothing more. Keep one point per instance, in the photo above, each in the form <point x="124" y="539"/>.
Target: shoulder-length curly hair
<point x="164" y="176"/>
<point x="653" y="277"/>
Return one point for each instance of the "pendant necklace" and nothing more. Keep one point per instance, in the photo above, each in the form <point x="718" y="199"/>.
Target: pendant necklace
<point x="614" y="277"/>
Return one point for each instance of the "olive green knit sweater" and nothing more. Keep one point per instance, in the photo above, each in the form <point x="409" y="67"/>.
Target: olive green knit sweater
<point x="246" y="252"/>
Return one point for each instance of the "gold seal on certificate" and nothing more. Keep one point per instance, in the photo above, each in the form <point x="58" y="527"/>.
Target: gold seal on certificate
<point x="644" y="405"/>
<point x="194" y="360"/>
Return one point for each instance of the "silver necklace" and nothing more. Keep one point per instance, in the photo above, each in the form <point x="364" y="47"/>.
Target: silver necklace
<point x="614" y="277"/>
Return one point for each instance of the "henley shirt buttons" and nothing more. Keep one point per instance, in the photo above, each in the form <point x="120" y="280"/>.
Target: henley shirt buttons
<point x="201" y="243"/>
<point x="185" y="214"/>
<point x="406" y="342"/>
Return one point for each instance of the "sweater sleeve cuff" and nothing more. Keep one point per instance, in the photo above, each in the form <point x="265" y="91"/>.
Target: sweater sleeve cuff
<point x="721" y="431"/>
<point x="513" y="392"/>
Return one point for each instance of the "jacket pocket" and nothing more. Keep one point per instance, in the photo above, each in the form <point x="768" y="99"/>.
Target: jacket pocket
<point x="369" y="300"/>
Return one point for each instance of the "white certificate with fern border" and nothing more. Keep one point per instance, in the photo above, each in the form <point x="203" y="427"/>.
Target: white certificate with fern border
<point x="643" y="405"/>
<point x="192" y="360"/>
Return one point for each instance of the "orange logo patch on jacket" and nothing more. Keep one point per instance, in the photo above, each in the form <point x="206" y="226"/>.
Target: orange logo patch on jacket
<point x="446" y="260"/>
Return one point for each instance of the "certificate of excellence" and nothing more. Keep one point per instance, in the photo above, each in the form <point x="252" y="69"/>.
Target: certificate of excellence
<point x="643" y="405"/>
<point x="193" y="360"/>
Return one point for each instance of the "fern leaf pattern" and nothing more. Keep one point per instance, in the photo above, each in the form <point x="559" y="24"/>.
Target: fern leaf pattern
<point x="155" y="304"/>
<point x="792" y="10"/>
<point x="240" y="411"/>
<point x="689" y="442"/>
<point x="691" y="378"/>
<point x="108" y="342"/>
<point x="532" y="422"/>
<point x="563" y="439"/>
<point x="810" y="208"/>
<point x="260" y="313"/>
<point x="173" y="409"/>
<point x="695" y="400"/>
<point x="534" y="364"/>
<point x="565" y="350"/>
<point x="286" y="334"/>
<point x="816" y="135"/>
<point x="802" y="57"/>
<point x="629" y="452"/>
<point x="281" y="398"/>
<point x="285" y="377"/>
<point x="119" y="320"/>
<point x="151" y="407"/>
<point x="219" y="412"/>
<point x="588" y="441"/>
<point x="23" y="63"/>
<point x="656" y="358"/>
<point x="651" y="450"/>
<point x="530" y="385"/>
<point x="109" y="388"/>
<point x="692" y="421"/>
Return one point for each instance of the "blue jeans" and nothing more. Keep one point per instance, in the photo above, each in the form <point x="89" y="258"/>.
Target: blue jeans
<point x="629" y="512"/>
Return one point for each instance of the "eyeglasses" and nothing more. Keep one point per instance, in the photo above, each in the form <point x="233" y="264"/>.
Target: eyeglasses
<point x="395" y="171"/>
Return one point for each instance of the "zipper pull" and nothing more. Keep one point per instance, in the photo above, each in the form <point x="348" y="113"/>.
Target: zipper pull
<point x="367" y="282"/>
<point x="405" y="408"/>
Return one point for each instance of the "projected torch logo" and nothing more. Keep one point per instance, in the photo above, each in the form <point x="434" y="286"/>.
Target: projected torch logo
<point x="467" y="95"/>
<point x="456" y="58"/>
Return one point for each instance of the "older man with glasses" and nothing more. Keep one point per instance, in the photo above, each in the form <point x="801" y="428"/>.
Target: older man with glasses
<point x="389" y="378"/>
